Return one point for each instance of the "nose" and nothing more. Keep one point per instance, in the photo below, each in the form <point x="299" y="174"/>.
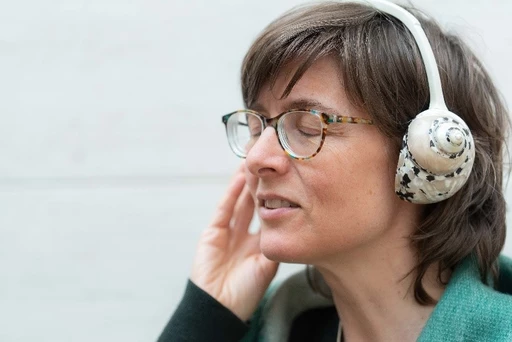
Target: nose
<point x="266" y="157"/>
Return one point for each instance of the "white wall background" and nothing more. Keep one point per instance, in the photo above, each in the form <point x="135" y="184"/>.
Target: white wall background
<point x="113" y="155"/>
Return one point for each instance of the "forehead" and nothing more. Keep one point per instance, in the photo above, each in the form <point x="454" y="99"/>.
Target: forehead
<point x="320" y="87"/>
<point x="325" y="69"/>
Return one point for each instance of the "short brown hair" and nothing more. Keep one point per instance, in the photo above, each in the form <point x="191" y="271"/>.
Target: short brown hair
<point x="382" y="72"/>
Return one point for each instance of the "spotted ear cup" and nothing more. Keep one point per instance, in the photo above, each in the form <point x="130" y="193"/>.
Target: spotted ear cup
<point x="438" y="150"/>
<point x="436" y="158"/>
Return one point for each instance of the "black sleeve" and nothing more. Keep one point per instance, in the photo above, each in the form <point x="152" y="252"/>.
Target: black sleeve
<point x="199" y="317"/>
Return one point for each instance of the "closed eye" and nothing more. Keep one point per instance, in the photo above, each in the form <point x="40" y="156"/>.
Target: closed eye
<point x="255" y="130"/>
<point x="309" y="131"/>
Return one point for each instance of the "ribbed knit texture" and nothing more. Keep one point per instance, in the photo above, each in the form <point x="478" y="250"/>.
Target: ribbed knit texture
<point x="199" y="317"/>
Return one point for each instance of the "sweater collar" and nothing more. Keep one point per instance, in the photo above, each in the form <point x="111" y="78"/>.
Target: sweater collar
<point x="470" y="310"/>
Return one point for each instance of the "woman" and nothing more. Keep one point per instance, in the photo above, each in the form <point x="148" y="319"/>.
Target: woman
<point x="339" y="83"/>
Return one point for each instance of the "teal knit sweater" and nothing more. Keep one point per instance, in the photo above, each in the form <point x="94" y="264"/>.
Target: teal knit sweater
<point x="467" y="311"/>
<point x="471" y="311"/>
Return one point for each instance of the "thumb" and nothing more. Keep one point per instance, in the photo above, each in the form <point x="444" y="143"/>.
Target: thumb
<point x="267" y="267"/>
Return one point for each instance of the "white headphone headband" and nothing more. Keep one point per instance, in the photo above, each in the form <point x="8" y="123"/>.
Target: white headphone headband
<point x="429" y="61"/>
<point x="438" y="149"/>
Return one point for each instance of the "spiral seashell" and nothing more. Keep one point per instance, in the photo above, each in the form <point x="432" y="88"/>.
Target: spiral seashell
<point x="436" y="158"/>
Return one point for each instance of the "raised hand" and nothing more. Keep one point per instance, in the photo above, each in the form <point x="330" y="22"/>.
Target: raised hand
<point x="228" y="264"/>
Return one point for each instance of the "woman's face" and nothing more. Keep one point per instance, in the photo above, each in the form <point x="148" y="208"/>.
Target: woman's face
<point x="343" y="199"/>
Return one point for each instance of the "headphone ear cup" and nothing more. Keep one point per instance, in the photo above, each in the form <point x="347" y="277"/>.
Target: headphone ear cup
<point x="436" y="158"/>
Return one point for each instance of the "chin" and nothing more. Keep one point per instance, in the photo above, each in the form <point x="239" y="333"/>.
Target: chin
<point x="282" y="249"/>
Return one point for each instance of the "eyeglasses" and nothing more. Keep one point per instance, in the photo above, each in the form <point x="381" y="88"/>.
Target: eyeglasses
<point x="301" y="132"/>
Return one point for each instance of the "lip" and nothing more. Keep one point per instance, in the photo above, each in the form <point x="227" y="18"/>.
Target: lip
<point x="274" y="214"/>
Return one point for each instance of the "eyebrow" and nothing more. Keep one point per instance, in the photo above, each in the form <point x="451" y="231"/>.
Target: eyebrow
<point x="303" y="103"/>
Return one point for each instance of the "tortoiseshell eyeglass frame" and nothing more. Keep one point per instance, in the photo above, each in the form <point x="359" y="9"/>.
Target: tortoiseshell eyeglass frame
<point x="325" y="118"/>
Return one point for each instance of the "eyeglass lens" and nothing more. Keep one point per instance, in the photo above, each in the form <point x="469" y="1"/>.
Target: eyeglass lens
<point x="300" y="133"/>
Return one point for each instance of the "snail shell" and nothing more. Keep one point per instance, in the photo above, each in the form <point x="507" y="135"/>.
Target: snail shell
<point x="436" y="158"/>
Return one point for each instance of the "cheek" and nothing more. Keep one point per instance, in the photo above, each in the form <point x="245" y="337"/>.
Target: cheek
<point x="251" y="182"/>
<point x="362" y="175"/>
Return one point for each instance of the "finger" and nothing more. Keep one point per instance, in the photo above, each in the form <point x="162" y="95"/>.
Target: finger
<point x="268" y="268"/>
<point x="225" y="209"/>
<point x="244" y="212"/>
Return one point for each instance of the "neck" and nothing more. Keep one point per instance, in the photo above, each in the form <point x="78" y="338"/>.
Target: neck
<point x="373" y="290"/>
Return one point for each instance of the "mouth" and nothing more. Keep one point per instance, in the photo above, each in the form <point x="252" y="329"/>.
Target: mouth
<point x="277" y="203"/>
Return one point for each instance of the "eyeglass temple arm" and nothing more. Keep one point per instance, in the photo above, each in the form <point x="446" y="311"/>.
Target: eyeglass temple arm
<point x="348" y="119"/>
